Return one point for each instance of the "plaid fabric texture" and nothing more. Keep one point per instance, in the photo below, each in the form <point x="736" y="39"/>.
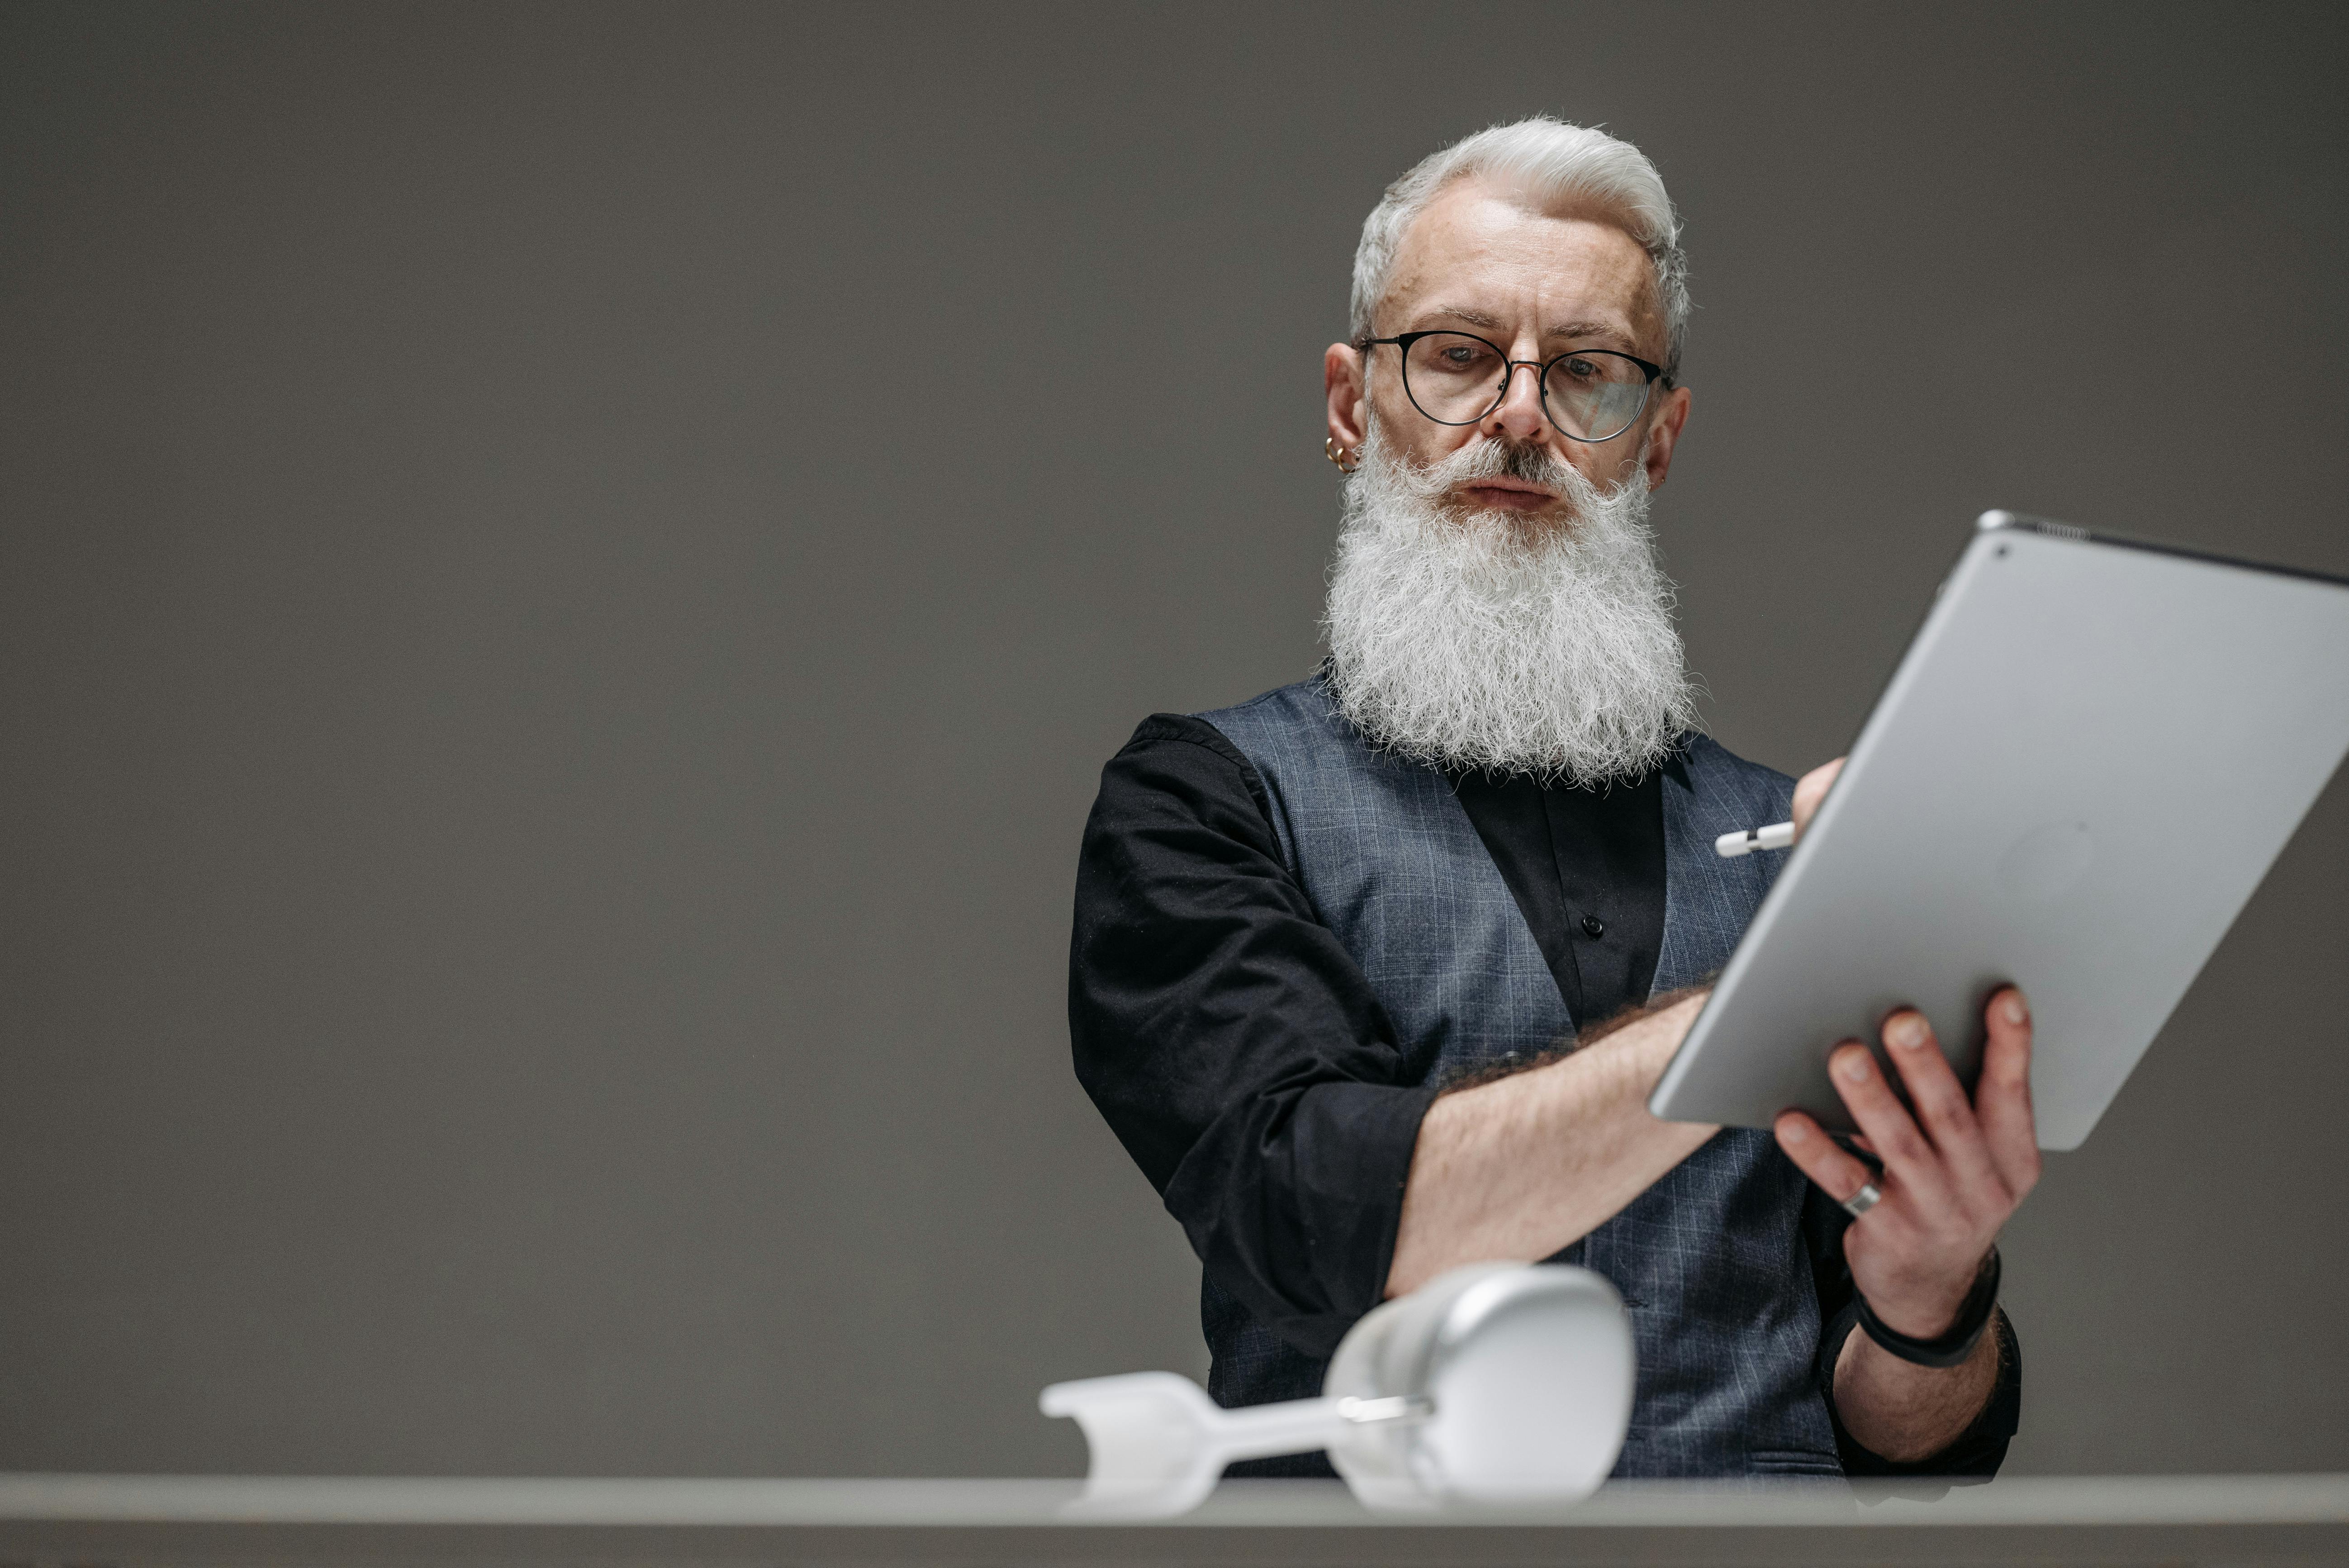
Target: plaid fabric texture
<point x="1711" y="1260"/>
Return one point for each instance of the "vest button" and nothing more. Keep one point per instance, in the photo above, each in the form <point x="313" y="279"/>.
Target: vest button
<point x="1593" y="927"/>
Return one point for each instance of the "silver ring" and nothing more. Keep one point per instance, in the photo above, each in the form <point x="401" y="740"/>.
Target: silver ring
<point x="1861" y="1201"/>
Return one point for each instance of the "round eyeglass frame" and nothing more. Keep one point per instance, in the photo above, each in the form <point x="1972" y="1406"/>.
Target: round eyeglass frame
<point x="1540" y="367"/>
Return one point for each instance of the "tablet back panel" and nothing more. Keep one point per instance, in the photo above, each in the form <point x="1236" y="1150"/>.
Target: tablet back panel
<point x="2087" y="759"/>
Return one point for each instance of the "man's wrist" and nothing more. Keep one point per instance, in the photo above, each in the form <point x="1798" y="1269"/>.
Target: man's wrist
<point x="1960" y="1334"/>
<point x="1923" y="1316"/>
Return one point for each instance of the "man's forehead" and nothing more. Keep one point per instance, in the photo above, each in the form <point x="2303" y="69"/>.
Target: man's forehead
<point x="1478" y="251"/>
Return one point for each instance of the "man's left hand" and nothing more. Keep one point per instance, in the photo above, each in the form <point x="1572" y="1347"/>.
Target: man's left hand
<point x="1953" y="1170"/>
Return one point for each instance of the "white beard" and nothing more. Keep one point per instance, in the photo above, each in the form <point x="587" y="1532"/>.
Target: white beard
<point x="1483" y="640"/>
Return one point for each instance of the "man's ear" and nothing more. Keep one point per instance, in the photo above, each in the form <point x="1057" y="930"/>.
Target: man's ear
<point x="1341" y="378"/>
<point x="1665" y="434"/>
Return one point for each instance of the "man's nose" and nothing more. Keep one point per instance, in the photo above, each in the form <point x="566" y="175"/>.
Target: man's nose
<point x="1518" y="414"/>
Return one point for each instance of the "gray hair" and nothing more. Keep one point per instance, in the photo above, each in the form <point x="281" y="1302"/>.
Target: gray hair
<point x="1556" y="163"/>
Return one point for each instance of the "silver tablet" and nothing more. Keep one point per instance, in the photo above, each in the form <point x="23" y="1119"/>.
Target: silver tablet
<point x="2087" y="759"/>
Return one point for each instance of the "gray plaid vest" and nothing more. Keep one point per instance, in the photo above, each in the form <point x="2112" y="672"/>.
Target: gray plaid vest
<point x="1711" y="1260"/>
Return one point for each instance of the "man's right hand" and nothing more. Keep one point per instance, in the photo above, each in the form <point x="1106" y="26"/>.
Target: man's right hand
<point x="1810" y="789"/>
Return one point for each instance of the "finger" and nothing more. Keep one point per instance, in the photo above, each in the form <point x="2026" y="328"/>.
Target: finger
<point x="1939" y="1099"/>
<point x="1838" y="1175"/>
<point x="1810" y="790"/>
<point x="2002" y="1097"/>
<point x="1907" y="1157"/>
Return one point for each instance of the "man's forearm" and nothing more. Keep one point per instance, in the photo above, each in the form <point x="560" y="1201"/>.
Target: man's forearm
<point x="1905" y="1412"/>
<point x="1516" y="1169"/>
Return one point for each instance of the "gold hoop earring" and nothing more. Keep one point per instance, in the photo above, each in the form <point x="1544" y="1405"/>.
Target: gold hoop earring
<point x="1336" y="454"/>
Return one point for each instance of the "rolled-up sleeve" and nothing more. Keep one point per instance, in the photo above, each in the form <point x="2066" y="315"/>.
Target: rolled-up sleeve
<point x="1231" y="1043"/>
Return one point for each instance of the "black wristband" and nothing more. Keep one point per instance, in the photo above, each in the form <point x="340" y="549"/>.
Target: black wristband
<point x="1952" y="1349"/>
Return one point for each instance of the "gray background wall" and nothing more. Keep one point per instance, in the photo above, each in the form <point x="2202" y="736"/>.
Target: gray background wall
<point x="566" y="572"/>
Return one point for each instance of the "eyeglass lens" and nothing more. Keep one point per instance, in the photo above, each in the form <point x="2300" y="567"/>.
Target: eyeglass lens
<point x="1456" y="379"/>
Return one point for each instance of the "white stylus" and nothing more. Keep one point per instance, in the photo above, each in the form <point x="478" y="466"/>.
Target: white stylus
<point x="1776" y="836"/>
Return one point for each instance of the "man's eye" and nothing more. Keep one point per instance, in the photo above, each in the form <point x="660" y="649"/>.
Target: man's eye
<point x="1582" y="369"/>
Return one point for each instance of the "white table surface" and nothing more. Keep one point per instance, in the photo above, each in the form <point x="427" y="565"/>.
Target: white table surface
<point x="127" y="1520"/>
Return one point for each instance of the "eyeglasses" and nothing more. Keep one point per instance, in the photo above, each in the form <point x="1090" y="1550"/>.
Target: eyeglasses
<point x="1457" y="378"/>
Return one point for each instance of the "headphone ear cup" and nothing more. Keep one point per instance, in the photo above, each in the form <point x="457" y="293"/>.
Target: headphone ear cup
<point x="1530" y="1369"/>
<point x="1538" y="1393"/>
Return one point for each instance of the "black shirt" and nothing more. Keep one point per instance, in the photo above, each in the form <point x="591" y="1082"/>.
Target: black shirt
<point x="1238" y="1053"/>
<point x="1587" y="867"/>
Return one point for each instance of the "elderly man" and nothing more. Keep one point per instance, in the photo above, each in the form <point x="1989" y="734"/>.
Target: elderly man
<point x="1374" y="974"/>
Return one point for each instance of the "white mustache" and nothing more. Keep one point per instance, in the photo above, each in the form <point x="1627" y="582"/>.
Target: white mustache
<point x="1485" y="459"/>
